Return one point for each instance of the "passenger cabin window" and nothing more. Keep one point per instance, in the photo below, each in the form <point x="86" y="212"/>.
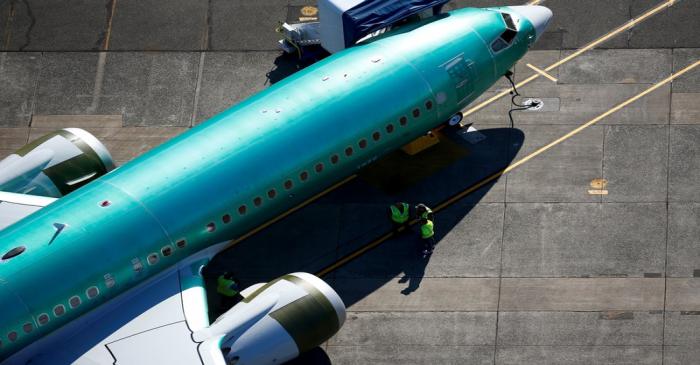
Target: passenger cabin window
<point x="181" y="243"/>
<point x="153" y="258"/>
<point x="92" y="292"/>
<point x="74" y="301"/>
<point x="43" y="319"/>
<point x="506" y="38"/>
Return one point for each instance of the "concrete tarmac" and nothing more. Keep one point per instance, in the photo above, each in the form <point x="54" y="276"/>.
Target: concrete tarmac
<point x="587" y="254"/>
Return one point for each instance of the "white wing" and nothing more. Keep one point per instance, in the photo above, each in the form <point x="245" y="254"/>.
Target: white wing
<point x="14" y="207"/>
<point x="150" y="324"/>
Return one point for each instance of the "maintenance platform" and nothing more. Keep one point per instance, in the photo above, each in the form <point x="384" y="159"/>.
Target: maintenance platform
<point x="581" y="247"/>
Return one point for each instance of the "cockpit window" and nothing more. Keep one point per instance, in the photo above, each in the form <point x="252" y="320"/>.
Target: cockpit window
<point x="498" y="45"/>
<point x="508" y="35"/>
<point x="509" y="21"/>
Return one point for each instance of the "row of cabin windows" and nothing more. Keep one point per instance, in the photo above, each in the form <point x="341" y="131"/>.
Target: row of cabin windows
<point x="59" y="310"/>
<point x="92" y="292"/>
<point x="319" y="167"/>
<point x="154" y="258"/>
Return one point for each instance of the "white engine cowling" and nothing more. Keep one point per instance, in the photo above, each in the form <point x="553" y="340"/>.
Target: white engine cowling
<point x="277" y="321"/>
<point x="55" y="164"/>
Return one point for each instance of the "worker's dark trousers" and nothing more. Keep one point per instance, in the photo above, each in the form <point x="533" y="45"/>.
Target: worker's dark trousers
<point x="428" y="245"/>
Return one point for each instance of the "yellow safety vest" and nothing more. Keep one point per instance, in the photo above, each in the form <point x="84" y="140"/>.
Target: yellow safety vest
<point x="225" y="287"/>
<point x="399" y="216"/>
<point x="426" y="230"/>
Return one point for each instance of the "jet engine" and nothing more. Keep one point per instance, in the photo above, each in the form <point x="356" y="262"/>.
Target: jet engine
<point x="55" y="164"/>
<point x="276" y="321"/>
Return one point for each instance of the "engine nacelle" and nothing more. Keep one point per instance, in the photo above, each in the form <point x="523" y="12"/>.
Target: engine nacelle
<point x="55" y="164"/>
<point x="277" y="321"/>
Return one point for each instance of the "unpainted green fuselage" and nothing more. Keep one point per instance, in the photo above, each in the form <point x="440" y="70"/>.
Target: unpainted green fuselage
<point x="233" y="172"/>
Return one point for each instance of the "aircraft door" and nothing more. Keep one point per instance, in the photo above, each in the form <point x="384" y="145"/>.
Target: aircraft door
<point x="463" y="74"/>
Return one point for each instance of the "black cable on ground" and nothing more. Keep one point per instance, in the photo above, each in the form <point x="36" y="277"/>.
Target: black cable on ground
<point x="514" y="93"/>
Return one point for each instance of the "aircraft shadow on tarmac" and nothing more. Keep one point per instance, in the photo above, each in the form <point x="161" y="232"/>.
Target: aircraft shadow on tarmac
<point x="356" y="214"/>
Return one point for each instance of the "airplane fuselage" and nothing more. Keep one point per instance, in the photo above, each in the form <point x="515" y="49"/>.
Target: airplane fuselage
<point x="244" y="166"/>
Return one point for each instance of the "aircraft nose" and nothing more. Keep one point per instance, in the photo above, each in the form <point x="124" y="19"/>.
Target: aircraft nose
<point x="538" y="15"/>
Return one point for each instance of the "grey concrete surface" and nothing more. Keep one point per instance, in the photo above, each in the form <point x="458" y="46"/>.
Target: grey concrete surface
<point x="40" y="25"/>
<point x="11" y="139"/>
<point x="531" y="269"/>
<point x="681" y="329"/>
<point x="397" y="355"/>
<point x="438" y="294"/>
<point x="617" y="66"/>
<point x="689" y="83"/>
<point x="229" y="77"/>
<point x="685" y="108"/>
<point x="681" y="355"/>
<point x="585" y="294"/>
<point x="437" y="329"/>
<point x="683" y="294"/>
<point x="675" y="27"/>
<point x="579" y="103"/>
<point x="684" y="160"/>
<point x="564" y="173"/>
<point x="685" y="103"/>
<point x="155" y="89"/>
<point x="612" y="328"/>
<point x="635" y="163"/>
<point x="19" y="73"/>
<point x="683" y="240"/>
<point x="579" y="355"/>
<point x="245" y="26"/>
<point x="625" y="240"/>
<point x="153" y="25"/>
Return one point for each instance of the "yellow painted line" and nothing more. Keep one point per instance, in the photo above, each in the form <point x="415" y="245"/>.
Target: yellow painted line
<point x="598" y="192"/>
<point x="8" y="30"/>
<point x="630" y="24"/>
<point x="541" y="72"/>
<point x="290" y="211"/>
<point x="109" y="25"/>
<point x="518" y="163"/>
<point x="535" y="2"/>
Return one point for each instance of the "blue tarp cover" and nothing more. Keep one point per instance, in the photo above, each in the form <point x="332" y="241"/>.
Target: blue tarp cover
<point x="372" y="15"/>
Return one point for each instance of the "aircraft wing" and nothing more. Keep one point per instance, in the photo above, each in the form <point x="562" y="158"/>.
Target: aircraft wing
<point x="14" y="207"/>
<point x="151" y="324"/>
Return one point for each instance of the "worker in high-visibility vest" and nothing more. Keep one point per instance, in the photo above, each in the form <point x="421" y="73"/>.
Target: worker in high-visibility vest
<point x="427" y="234"/>
<point x="227" y="287"/>
<point x="399" y="215"/>
<point x="424" y="212"/>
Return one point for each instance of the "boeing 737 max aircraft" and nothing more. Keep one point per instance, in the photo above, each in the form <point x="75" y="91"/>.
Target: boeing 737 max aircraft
<point x="103" y="265"/>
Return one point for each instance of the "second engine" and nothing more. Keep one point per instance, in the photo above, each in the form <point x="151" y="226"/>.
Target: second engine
<point x="55" y="164"/>
<point x="276" y="321"/>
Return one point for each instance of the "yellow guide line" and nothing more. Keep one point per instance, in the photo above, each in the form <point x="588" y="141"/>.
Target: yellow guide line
<point x="534" y="2"/>
<point x="520" y="162"/>
<point x="580" y="51"/>
<point x="541" y="72"/>
<point x="109" y="26"/>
